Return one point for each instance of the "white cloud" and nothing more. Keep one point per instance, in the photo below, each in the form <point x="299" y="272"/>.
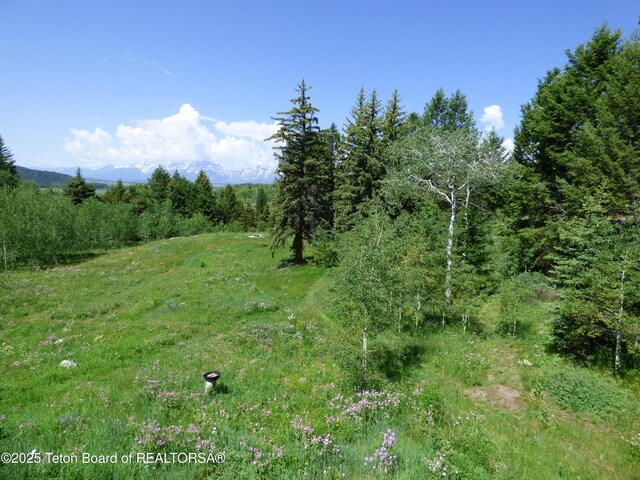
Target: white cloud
<point x="492" y="118"/>
<point x="250" y="129"/>
<point x="182" y="137"/>
<point x="507" y="144"/>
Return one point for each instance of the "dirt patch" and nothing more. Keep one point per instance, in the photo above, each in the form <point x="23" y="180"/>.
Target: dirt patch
<point x="499" y="395"/>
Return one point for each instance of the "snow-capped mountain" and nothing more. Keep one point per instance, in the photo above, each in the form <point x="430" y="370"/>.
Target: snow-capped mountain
<point x="140" y="173"/>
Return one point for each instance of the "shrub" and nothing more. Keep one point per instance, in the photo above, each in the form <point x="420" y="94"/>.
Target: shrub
<point x="581" y="391"/>
<point x="515" y="294"/>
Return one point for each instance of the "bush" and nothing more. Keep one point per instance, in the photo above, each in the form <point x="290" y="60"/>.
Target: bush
<point x="515" y="294"/>
<point x="581" y="391"/>
<point x="325" y="250"/>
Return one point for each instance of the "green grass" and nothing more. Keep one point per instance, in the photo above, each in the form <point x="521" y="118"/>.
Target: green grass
<point x="143" y="323"/>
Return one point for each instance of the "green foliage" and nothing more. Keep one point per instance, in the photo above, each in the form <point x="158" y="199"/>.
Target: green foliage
<point x="361" y="166"/>
<point x="8" y="172"/>
<point x="442" y="113"/>
<point x="305" y="168"/>
<point x="515" y="294"/>
<point x="325" y="250"/>
<point x="116" y="193"/>
<point x="582" y="391"/>
<point x="382" y="291"/>
<point x="78" y="190"/>
<point x="578" y="139"/>
<point x="159" y="185"/>
<point x="229" y="205"/>
<point x="598" y="271"/>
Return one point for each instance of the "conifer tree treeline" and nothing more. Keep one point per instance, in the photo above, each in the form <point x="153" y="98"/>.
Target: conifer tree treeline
<point x="574" y="205"/>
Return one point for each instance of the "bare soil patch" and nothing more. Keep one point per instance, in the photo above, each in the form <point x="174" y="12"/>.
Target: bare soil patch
<point x="499" y="395"/>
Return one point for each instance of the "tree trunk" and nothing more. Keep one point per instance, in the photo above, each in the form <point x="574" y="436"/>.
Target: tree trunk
<point x="466" y="220"/>
<point x="4" y="249"/>
<point x="364" y="350"/>
<point x="297" y="248"/>
<point x="618" y="348"/>
<point x="447" y="281"/>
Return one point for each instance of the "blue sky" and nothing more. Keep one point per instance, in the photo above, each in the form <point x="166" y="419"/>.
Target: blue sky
<point x="90" y="83"/>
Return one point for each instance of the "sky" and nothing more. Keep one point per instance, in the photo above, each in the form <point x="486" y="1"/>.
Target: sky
<point x="93" y="83"/>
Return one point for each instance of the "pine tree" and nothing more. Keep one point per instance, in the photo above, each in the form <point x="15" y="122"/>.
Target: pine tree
<point x="78" y="189"/>
<point x="261" y="201"/>
<point x="301" y="168"/>
<point x="570" y="149"/>
<point x="8" y="172"/>
<point x="361" y="166"/>
<point x="205" y="198"/>
<point x="159" y="185"/>
<point x="229" y="205"/>
<point x="181" y="194"/>
<point x="116" y="193"/>
<point x="442" y="113"/>
<point x="393" y="126"/>
<point x="247" y="216"/>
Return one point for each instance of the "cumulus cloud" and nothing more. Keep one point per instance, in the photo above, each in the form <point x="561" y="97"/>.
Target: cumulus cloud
<point x="492" y="118"/>
<point x="186" y="136"/>
<point x="507" y="144"/>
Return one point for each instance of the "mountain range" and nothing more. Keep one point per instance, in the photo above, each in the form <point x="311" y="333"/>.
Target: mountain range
<point x="140" y="173"/>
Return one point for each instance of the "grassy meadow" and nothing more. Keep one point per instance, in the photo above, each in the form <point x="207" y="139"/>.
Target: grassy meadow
<point x="142" y="324"/>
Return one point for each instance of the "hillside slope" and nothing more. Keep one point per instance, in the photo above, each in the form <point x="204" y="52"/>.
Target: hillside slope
<point x="142" y="325"/>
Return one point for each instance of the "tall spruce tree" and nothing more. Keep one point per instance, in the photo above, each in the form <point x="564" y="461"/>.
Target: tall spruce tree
<point x="181" y="194"/>
<point x="393" y="122"/>
<point x="8" y="172"/>
<point x="567" y="143"/>
<point x="205" y="198"/>
<point x="261" y="202"/>
<point x="78" y="189"/>
<point x="229" y="205"/>
<point x="302" y="166"/>
<point x="361" y="166"/>
<point x="115" y="193"/>
<point x="442" y="113"/>
<point x="159" y="185"/>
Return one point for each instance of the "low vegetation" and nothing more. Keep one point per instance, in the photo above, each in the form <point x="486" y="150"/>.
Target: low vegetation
<point x="142" y="324"/>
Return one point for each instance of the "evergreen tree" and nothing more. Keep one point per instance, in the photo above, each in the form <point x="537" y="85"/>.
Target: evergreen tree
<point x="393" y="123"/>
<point x="569" y="139"/>
<point x="247" y="216"/>
<point x="182" y="194"/>
<point x="8" y="172"/>
<point x="78" y="189"/>
<point x="116" y="193"/>
<point x="564" y="103"/>
<point x="598" y="270"/>
<point x="159" y="185"/>
<point x="261" y="201"/>
<point x="205" y="198"/>
<point x="229" y="205"/>
<point x="301" y="168"/>
<point x="442" y="113"/>
<point x="361" y="167"/>
<point x="322" y="170"/>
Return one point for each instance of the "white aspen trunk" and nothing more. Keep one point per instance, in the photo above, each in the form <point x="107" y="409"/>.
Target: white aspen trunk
<point x="618" y="348"/>
<point x="466" y="216"/>
<point x="364" y="350"/>
<point x="418" y="307"/>
<point x="447" y="281"/>
<point x="400" y="314"/>
<point x="4" y="250"/>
